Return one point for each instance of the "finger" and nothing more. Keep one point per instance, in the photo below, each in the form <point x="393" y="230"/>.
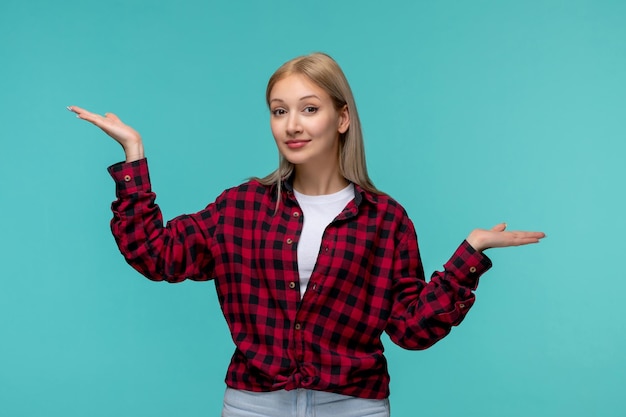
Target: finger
<point x="532" y="235"/>
<point x="79" y="111"/>
<point x="88" y="116"/>
<point x="499" y="227"/>
<point x="526" y="241"/>
<point x="525" y="238"/>
<point x="112" y="117"/>
<point x="75" y="109"/>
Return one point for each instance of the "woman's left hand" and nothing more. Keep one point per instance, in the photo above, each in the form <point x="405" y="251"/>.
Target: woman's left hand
<point x="498" y="237"/>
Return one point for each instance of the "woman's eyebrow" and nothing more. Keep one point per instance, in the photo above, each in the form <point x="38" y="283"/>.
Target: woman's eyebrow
<point x="309" y="96"/>
<point x="300" y="99"/>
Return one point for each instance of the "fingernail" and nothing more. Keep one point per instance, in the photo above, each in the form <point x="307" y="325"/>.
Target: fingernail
<point x="69" y="108"/>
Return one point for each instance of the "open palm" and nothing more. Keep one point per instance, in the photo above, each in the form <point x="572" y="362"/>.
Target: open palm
<point x="110" y="124"/>
<point x="499" y="237"/>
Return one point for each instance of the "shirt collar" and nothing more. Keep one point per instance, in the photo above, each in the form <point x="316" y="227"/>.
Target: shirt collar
<point x="360" y="194"/>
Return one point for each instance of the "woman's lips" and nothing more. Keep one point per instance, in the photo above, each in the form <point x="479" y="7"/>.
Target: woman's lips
<point x="295" y="144"/>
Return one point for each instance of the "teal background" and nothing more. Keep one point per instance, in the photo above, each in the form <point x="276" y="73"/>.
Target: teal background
<point x="473" y="112"/>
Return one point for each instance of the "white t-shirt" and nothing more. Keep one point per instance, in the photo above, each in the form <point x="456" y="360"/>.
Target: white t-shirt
<point x="318" y="212"/>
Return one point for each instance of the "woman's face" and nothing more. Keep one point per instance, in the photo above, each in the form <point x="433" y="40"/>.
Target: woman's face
<point x="305" y="123"/>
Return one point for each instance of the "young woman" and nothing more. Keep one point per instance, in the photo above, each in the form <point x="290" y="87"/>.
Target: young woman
<point x="311" y="263"/>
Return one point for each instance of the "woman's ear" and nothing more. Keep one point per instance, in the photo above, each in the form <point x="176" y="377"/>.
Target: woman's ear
<point x="344" y="119"/>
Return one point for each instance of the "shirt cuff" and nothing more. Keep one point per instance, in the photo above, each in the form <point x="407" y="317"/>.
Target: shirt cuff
<point x="467" y="265"/>
<point x="130" y="177"/>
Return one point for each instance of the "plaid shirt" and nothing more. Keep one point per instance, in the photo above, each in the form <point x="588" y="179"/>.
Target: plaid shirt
<point x="368" y="279"/>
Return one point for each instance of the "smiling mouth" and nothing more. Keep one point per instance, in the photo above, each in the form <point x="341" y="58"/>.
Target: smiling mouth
<point x="294" y="144"/>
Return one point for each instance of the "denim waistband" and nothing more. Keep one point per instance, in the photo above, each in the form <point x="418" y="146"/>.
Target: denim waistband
<point x="300" y="403"/>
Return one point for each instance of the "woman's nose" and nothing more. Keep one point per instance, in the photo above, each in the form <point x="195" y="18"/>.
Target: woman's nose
<point x="293" y="125"/>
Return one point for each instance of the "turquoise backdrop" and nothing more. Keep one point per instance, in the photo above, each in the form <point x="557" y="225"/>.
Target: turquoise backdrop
<point x="474" y="112"/>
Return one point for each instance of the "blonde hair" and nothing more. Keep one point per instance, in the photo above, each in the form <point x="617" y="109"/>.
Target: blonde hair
<point x="322" y="70"/>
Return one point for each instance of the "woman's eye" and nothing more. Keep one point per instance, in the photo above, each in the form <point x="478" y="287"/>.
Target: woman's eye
<point x="278" y="112"/>
<point x="310" y="109"/>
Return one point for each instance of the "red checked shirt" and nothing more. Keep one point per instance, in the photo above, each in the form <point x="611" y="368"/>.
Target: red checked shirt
<point x="368" y="279"/>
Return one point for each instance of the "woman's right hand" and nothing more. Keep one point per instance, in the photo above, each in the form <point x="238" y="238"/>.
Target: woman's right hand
<point x="110" y="124"/>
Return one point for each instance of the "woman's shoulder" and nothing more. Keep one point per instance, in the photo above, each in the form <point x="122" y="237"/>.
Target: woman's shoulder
<point x="382" y="201"/>
<point x="248" y="191"/>
<point x="387" y="213"/>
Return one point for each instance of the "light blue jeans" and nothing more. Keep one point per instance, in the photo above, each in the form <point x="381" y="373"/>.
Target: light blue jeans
<point x="300" y="403"/>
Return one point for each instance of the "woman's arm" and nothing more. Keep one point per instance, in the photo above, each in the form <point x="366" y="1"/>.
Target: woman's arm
<point x="423" y="313"/>
<point x="173" y="252"/>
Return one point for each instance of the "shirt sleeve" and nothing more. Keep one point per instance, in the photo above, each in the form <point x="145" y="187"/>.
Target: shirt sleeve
<point x="177" y="251"/>
<point x="423" y="313"/>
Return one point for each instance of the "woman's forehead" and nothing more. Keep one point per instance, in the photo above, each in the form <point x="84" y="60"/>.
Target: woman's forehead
<point x="296" y="87"/>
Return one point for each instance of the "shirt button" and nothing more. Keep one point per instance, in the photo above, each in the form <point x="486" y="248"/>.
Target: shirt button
<point x="296" y="214"/>
<point x="289" y="241"/>
<point x="472" y="269"/>
<point x="292" y="285"/>
<point x="298" y="326"/>
<point x="127" y="178"/>
<point x="461" y="305"/>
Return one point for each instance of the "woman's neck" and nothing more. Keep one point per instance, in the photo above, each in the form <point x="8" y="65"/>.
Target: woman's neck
<point x="317" y="182"/>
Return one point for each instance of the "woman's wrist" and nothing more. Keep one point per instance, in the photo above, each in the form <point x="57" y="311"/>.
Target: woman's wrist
<point x="134" y="152"/>
<point x="475" y="242"/>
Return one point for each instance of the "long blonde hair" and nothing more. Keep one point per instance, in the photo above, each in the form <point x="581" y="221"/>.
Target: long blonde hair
<point x="322" y="70"/>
